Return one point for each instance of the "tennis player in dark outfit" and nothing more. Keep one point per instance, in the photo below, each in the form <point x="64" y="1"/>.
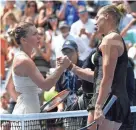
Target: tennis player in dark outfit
<point x="110" y="73"/>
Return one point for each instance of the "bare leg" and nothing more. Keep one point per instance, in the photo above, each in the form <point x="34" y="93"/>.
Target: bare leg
<point x="109" y="125"/>
<point x="90" y="120"/>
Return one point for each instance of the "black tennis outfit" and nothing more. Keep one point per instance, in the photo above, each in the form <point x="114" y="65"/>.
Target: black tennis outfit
<point x="121" y="108"/>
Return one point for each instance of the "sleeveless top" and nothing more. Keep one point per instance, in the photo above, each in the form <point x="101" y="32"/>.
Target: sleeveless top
<point x="23" y="84"/>
<point x="42" y="64"/>
<point x="121" y="108"/>
<point x="119" y="81"/>
<point x="28" y="100"/>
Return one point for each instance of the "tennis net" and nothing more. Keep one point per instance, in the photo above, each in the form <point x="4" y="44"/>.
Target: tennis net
<point x="69" y="120"/>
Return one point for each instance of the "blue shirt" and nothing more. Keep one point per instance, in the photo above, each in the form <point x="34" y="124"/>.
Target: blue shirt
<point x="71" y="13"/>
<point x="102" y="2"/>
<point x="69" y="81"/>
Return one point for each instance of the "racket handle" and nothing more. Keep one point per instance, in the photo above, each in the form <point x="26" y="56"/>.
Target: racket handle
<point x="105" y="110"/>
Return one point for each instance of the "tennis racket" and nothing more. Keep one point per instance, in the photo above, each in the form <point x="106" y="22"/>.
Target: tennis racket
<point x="105" y="110"/>
<point x="54" y="102"/>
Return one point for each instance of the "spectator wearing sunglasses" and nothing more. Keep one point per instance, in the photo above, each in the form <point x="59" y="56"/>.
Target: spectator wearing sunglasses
<point x="30" y="12"/>
<point x="83" y="29"/>
<point x="41" y="55"/>
<point x="51" y="34"/>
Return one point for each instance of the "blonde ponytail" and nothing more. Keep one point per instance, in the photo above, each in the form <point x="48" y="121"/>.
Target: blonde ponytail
<point x="121" y="9"/>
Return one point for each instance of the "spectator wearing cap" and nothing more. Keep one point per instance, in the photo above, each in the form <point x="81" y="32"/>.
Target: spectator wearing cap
<point x="69" y="80"/>
<point x="68" y="11"/>
<point x="65" y="35"/>
<point x="58" y="41"/>
<point x="4" y="101"/>
<point x="83" y="29"/>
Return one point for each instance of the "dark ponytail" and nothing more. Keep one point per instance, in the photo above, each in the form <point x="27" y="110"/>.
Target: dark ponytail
<point x="21" y="31"/>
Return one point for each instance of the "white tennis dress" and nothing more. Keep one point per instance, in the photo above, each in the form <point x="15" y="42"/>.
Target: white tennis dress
<point x="28" y="101"/>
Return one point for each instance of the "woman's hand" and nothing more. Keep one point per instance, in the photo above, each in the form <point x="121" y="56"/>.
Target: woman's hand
<point x="63" y="62"/>
<point x="98" y="114"/>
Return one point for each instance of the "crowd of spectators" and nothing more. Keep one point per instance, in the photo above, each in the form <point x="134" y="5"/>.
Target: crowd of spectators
<point x="65" y="28"/>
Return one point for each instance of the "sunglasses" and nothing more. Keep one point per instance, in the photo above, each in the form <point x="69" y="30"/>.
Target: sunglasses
<point x="47" y="1"/>
<point x="82" y="12"/>
<point x="52" y="19"/>
<point x="30" y="5"/>
<point x="67" y="51"/>
<point x="41" y="34"/>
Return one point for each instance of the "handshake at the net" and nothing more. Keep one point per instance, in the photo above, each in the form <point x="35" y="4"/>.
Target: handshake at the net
<point x="63" y="62"/>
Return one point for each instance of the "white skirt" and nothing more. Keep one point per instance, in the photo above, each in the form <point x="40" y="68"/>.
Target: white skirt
<point x="26" y="103"/>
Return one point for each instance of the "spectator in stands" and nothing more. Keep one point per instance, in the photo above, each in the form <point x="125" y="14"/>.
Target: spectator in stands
<point x="69" y="80"/>
<point x="10" y="7"/>
<point x="45" y="13"/>
<point x="9" y="21"/>
<point x="69" y="11"/>
<point x="29" y="20"/>
<point x="53" y="22"/>
<point x="65" y="35"/>
<point x="58" y="41"/>
<point x="83" y="28"/>
<point x="128" y="24"/>
<point x="4" y="101"/>
<point x="30" y="11"/>
<point x="51" y="34"/>
<point x="41" y="55"/>
<point x="101" y="3"/>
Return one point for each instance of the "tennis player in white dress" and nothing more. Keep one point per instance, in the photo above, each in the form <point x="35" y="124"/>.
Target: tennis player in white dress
<point x="25" y="77"/>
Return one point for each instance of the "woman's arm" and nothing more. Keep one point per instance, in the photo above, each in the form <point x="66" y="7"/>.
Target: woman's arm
<point x="61" y="13"/>
<point x="93" y="38"/>
<point x="124" y="31"/>
<point x="85" y="74"/>
<point x="42" y="19"/>
<point x="29" y="69"/>
<point x="111" y="50"/>
<point x="11" y="89"/>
